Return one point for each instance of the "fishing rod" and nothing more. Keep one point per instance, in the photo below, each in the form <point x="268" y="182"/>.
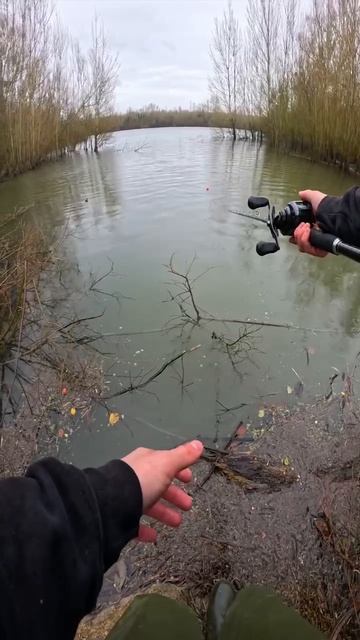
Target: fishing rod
<point x="286" y="222"/>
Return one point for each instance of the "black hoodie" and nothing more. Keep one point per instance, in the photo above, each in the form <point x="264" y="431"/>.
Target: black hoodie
<point x="60" y="530"/>
<point x="341" y="216"/>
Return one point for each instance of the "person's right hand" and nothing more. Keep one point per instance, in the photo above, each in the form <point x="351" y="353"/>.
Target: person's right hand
<point x="301" y="235"/>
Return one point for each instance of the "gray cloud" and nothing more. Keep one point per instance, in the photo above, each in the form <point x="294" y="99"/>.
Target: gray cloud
<point x="163" y="45"/>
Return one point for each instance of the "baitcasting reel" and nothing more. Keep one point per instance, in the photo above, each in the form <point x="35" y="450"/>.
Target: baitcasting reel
<point x="286" y="222"/>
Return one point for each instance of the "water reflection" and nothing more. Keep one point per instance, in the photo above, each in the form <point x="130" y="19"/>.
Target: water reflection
<point x="340" y="281"/>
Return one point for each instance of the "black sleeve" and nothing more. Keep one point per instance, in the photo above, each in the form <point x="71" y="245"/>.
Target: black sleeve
<point x="60" y="529"/>
<point x="341" y="216"/>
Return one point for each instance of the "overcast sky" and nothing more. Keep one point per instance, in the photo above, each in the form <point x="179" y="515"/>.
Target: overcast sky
<point x="163" y="45"/>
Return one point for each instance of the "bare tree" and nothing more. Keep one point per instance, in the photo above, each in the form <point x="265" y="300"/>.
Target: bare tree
<point x="104" y="69"/>
<point x="52" y="96"/>
<point x="263" y="28"/>
<point x="225" y="52"/>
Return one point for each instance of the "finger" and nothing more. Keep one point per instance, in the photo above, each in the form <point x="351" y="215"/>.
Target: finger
<point x="146" y="534"/>
<point x="299" y="236"/>
<point x="182" y="457"/>
<point x="185" y="475"/>
<point x="164" y="514"/>
<point x="178" y="498"/>
<point x="319" y="253"/>
<point x="305" y="244"/>
<point x="302" y="239"/>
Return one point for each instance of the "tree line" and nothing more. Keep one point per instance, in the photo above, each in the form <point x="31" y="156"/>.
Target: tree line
<point x="52" y="94"/>
<point x="296" y="72"/>
<point x="201" y="115"/>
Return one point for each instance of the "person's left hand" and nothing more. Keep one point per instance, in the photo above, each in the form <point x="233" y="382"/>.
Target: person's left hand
<point x="156" y="471"/>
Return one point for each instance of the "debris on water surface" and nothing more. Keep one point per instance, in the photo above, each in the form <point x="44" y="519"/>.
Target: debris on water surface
<point x="289" y="390"/>
<point x="241" y="430"/>
<point x="309" y="351"/>
<point x="252" y="472"/>
<point x="286" y="461"/>
<point x="115" y="417"/>
<point x="64" y="391"/>
<point x="261" y="413"/>
<point x="73" y="411"/>
<point x="61" y="433"/>
<point x="299" y="388"/>
<point x="321" y="523"/>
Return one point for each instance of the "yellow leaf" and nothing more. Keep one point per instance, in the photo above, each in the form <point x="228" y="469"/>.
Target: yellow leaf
<point x="289" y="390"/>
<point x="286" y="461"/>
<point x="113" y="418"/>
<point x="73" y="411"/>
<point x="261" y="413"/>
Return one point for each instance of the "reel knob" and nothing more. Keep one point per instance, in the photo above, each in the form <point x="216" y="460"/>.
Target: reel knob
<point x="263" y="248"/>
<point x="256" y="202"/>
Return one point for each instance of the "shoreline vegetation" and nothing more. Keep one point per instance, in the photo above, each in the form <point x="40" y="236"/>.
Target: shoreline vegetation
<point x="290" y="77"/>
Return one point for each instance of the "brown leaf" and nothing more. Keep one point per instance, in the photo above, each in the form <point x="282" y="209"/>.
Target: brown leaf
<point x="323" y="527"/>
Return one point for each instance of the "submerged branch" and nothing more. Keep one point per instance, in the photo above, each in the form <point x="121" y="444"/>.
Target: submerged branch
<point x="186" y="294"/>
<point x="153" y="376"/>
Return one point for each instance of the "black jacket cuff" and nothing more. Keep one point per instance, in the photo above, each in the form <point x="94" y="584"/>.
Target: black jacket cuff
<point x="119" y="498"/>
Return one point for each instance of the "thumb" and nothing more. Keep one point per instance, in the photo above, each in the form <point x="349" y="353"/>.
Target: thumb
<point x="306" y="195"/>
<point x="183" y="456"/>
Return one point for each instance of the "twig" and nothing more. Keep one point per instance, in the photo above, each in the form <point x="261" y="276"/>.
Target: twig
<point x="186" y="294"/>
<point x="297" y="375"/>
<point x="20" y="332"/>
<point x="152" y="377"/>
<point x="213" y="465"/>
<point x="276" y="325"/>
<point x="187" y="284"/>
<point x="344" y="620"/>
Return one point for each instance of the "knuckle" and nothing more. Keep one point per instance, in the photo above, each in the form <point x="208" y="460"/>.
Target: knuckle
<point x="142" y="450"/>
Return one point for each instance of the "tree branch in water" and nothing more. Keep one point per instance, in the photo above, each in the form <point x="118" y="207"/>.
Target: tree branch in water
<point x="151" y="377"/>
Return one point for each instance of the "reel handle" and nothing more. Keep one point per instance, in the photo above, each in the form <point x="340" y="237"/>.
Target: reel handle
<point x="332" y="244"/>
<point x="324" y="241"/>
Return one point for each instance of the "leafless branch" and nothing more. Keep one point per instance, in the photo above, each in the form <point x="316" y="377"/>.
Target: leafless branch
<point x="152" y="376"/>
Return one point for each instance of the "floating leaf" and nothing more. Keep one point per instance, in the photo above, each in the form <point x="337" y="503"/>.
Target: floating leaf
<point x="114" y="418"/>
<point x="289" y="390"/>
<point x="73" y="411"/>
<point x="261" y="413"/>
<point x="286" y="461"/>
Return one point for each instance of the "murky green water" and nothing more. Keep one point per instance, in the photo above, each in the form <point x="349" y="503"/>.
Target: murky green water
<point x="172" y="197"/>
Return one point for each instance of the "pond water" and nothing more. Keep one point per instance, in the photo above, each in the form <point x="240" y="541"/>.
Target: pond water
<point x="134" y="209"/>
